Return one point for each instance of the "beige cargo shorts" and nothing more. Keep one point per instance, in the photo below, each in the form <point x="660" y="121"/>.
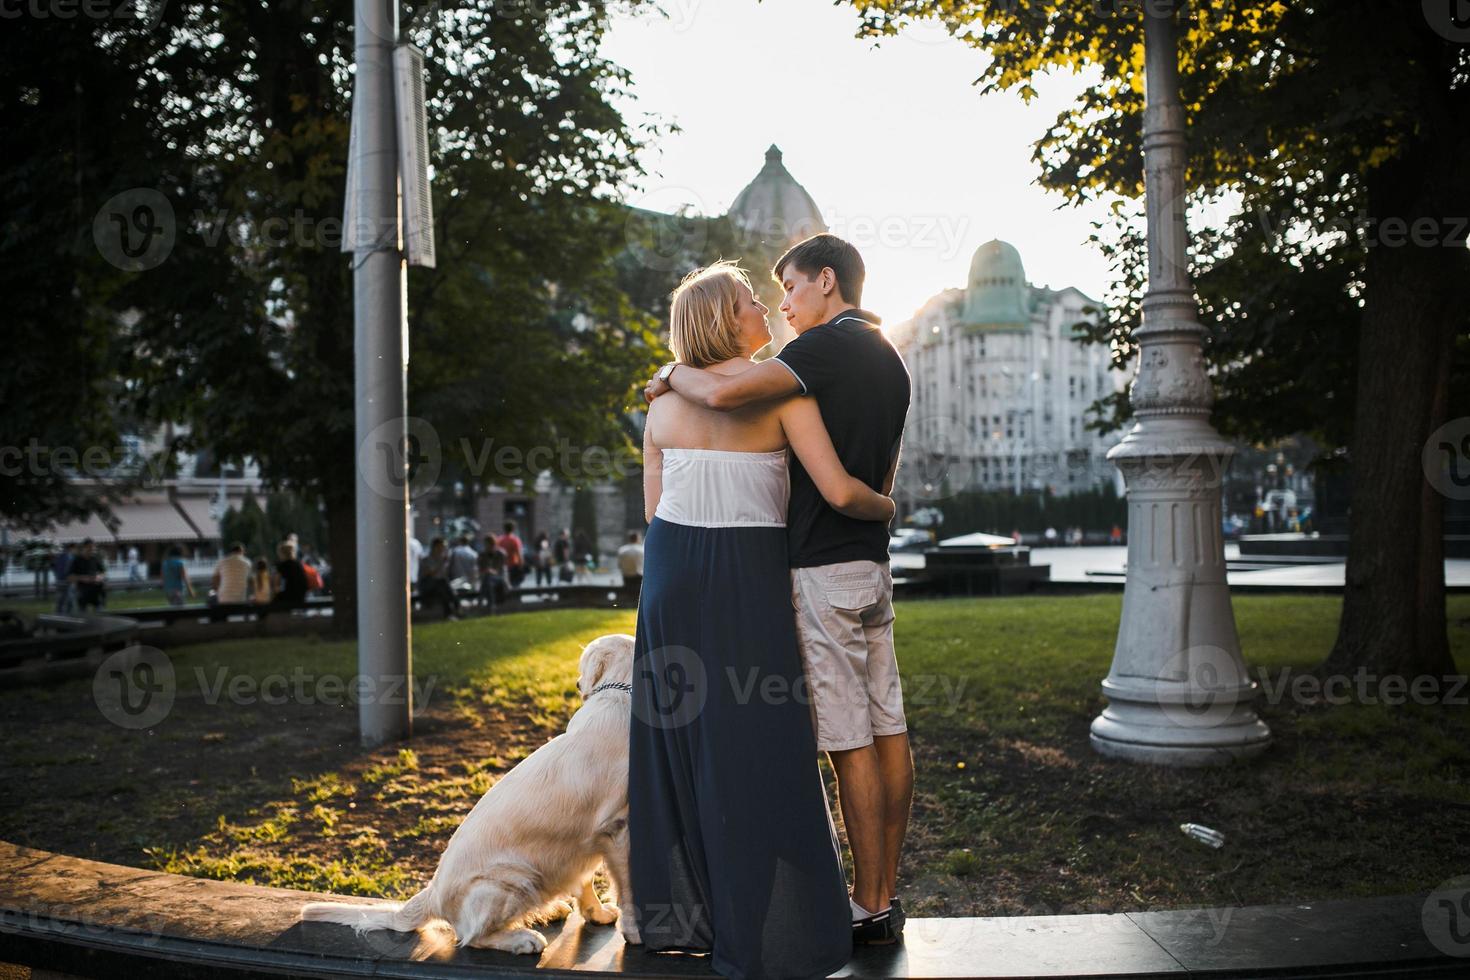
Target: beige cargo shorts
<point x="844" y="622"/>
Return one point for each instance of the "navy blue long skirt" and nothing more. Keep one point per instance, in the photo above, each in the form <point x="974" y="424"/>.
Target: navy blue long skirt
<point x="733" y="848"/>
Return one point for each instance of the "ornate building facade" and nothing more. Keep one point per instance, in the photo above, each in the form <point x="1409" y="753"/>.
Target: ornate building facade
<point x="1001" y="385"/>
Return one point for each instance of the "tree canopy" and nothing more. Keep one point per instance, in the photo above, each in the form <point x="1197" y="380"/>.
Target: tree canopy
<point x="225" y="128"/>
<point x="1333" y="143"/>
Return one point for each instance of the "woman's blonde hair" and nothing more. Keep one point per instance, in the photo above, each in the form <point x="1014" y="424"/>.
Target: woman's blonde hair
<point x="702" y="325"/>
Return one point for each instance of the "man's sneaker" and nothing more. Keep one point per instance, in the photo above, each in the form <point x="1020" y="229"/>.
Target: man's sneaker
<point x="875" y="930"/>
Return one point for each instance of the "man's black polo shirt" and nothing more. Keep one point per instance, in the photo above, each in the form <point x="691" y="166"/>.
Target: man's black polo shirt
<point x="862" y="388"/>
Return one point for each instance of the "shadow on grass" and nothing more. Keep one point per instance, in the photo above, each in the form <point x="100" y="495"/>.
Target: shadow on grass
<point x="259" y="754"/>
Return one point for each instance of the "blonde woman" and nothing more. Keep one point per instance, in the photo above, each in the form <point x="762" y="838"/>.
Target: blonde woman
<point x="260" y="583"/>
<point x="732" y="846"/>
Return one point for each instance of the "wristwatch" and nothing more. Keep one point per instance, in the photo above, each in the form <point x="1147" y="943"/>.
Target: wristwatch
<point x="666" y="370"/>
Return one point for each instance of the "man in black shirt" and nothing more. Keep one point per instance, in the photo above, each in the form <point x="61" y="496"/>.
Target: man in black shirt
<point x="291" y="582"/>
<point x="89" y="576"/>
<point x="841" y="585"/>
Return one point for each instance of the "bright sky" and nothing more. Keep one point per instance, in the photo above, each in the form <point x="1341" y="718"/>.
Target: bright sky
<point x="938" y="170"/>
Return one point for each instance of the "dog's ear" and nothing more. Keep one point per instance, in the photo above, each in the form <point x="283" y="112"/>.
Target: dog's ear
<point x="591" y="667"/>
<point x="596" y="667"/>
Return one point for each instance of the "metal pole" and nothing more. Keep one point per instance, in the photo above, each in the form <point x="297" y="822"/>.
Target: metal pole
<point x="1015" y="421"/>
<point x="1178" y="690"/>
<point x="384" y="653"/>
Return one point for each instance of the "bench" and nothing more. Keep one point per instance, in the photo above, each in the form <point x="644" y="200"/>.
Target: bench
<point x="63" y="646"/>
<point x="90" y="919"/>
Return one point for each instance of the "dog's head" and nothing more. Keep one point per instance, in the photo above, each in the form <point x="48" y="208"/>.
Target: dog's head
<point x="607" y="658"/>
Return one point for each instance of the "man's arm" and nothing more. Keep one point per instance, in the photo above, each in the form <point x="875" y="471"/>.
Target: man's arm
<point x="892" y="474"/>
<point x="801" y="420"/>
<point x="727" y="392"/>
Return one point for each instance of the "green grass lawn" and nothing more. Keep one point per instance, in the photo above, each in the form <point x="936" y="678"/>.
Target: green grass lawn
<point x="117" y="599"/>
<point x="1014" y="812"/>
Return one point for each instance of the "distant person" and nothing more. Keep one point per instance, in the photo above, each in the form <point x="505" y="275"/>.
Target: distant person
<point x="561" y="556"/>
<point x="290" y="581"/>
<point x="231" y="579"/>
<point x="1115" y="536"/>
<point x="541" y="558"/>
<point x="493" y="587"/>
<point x="464" y="564"/>
<point x="582" y="551"/>
<point x="66" y="593"/>
<point x="1050" y="536"/>
<point x="1015" y="536"/>
<point x="260" y="583"/>
<point x="176" y="582"/>
<point x="515" y="563"/>
<point x="314" y="580"/>
<point x="434" y="579"/>
<point x="415" y="555"/>
<point x="135" y="567"/>
<point x="88" y="576"/>
<point x="630" y="561"/>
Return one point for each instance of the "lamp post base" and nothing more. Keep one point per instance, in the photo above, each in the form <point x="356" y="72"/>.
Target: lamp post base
<point x="1180" y="725"/>
<point x="1174" y="756"/>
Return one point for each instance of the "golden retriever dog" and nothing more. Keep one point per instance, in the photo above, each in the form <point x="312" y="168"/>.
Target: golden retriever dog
<point x="538" y="835"/>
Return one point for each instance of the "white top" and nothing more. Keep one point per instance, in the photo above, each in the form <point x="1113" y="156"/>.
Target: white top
<point x="722" y="488"/>
<point x="415" y="552"/>
<point x="630" y="559"/>
<point x="234" y="572"/>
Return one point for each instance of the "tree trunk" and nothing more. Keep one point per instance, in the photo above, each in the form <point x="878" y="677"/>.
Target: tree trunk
<point x="342" y="533"/>
<point x="1393" y="612"/>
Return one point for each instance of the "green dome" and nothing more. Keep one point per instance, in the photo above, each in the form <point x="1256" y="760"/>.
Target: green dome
<point x="997" y="297"/>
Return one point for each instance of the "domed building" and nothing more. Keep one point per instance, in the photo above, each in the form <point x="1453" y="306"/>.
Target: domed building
<point x="997" y="295"/>
<point x="771" y="214"/>
<point x="774" y="209"/>
<point x="1002" y="383"/>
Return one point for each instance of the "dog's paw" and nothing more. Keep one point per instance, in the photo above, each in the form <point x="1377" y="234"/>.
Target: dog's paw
<point x="526" y="941"/>
<point x="511" y="941"/>
<point x="556" y="911"/>
<point x="603" y="915"/>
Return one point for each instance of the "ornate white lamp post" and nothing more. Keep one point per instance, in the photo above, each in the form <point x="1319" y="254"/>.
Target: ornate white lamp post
<point x="1178" y="690"/>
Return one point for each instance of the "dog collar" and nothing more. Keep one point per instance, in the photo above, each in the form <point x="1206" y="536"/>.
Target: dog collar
<point x="614" y="685"/>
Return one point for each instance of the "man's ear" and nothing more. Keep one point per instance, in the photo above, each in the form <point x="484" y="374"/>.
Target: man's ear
<point x="828" y="279"/>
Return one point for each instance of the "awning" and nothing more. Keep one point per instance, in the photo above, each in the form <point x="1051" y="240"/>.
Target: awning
<point x="197" y="511"/>
<point x="77" y="532"/>
<point x="152" y="520"/>
<point x="141" y="519"/>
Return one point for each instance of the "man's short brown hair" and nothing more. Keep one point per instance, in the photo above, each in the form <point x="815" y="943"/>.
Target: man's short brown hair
<point x="827" y="252"/>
